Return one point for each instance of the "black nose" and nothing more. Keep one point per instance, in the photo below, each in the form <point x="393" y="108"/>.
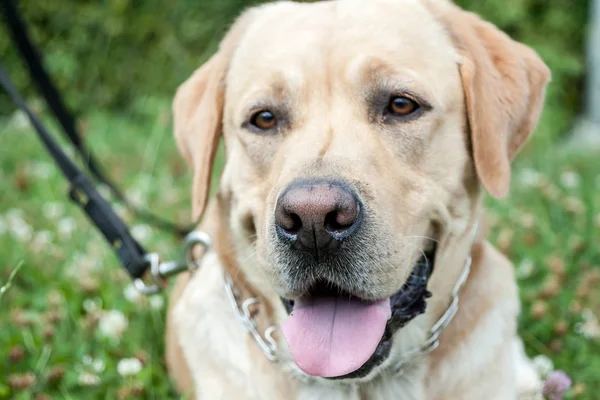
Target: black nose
<point x="316" y="216"/>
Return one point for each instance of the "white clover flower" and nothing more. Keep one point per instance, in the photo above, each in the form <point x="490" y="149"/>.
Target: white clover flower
<point x="22" y="232"/>
<point x="574" y="205"/>
<point x="112" y="324"/>
<point x="570" y="179"/>
<point x="129" y="367"/>
<point x="535" y="395"/>
<point x="543" y="365"/>
<point x="42" y="239"/>
<point x="53" y="210"/>
<point x="17" y="226"/>
<point x="88" y="379"/>
<point x="92" y="305"/>
<point x="104" y="191"/>
<point x="590" y="327"/>
<point x="136" y="197"/>
<point x="157" y="302"/>
<point x="132" y="294"/>
<point x="144" y="182"/>
<point x="529" y="177"/>
<point x="82" y="265"/>
<point x="141" y="232"/>
<point x="527" y="220"/>
<point x="97" y="250"/>
<point x="14" y="216"/>
<point x="66" y="226"/>
<point x="14" y="213"/>
<point x="19" y="120"/>
<point x="98" y="365"/>
<point x="525" y="269"/>
<point x="121" y="210"/>
<point x="41" y="170"/>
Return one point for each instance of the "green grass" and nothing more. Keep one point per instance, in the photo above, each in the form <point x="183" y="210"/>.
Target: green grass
<point x="49" y="335"/>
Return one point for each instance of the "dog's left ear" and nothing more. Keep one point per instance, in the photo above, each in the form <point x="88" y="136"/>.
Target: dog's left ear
<point x="198" y="114"/>
<point x="504" y="83"/>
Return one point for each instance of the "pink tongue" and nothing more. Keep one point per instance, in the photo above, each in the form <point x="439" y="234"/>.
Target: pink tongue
<point x="334" y="336"/>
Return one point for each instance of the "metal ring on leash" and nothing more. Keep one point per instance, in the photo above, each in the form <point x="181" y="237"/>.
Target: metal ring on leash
<point x="193" y="239"/>
<point x="160" y="271"/>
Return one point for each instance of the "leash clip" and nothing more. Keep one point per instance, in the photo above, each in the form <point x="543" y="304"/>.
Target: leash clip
<point x="163" y="270"/>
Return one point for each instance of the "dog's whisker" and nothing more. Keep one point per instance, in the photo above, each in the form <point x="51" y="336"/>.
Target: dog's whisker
<point x="420" y="237"/>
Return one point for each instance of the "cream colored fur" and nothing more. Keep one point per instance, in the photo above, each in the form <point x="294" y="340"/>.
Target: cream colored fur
<point x="421" y="178"/>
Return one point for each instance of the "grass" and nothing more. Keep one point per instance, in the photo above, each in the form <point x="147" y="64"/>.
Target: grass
<point x="55" y="338"/>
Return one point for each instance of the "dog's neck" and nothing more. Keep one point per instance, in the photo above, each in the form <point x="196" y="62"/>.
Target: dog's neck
<point x="450" y="258"/>
<point x="227" y="250"/>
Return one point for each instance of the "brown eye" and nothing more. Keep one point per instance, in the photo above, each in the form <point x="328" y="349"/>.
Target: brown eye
<point x="402" y="106"/>
<point x="264" y="120"/>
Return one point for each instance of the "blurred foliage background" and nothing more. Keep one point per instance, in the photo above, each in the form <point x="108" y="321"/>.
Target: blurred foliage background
<point x="108" y="54"/>
<point x="118" y="63"/>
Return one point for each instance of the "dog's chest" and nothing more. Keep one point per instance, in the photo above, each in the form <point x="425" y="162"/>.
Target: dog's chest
<point x="215" y="344"/>
<point x="390" y="388"/>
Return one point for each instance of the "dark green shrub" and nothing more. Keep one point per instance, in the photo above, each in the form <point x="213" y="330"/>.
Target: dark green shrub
<point x="557" y="30"/>
<point x="108" y="53"/>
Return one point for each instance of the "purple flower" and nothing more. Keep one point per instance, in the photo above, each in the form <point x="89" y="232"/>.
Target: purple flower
<point x="556" y="385"/>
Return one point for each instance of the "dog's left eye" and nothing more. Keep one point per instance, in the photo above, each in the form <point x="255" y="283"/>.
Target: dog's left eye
<point x="263" y="120"/>
<point x="402" y="106"/>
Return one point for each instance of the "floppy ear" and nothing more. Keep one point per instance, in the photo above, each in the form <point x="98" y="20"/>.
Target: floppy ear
<point x="504" y="83"/>
<point x="198" y="114"/>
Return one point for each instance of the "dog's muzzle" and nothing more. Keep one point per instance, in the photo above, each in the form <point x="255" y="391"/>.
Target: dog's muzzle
<point x="409" y="302"/>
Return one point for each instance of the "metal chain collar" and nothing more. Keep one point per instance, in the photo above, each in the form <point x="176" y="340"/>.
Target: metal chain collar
<point x="242" y="309"/>
<point x="436" y="331"/>
<point x="267" y="344"/>
<point x="433" y="342"/>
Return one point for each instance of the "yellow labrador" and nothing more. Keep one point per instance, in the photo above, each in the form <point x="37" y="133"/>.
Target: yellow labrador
<point x="358" y="135"/>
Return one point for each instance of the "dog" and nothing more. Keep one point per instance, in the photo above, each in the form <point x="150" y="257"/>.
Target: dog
<point x="360" y="138"/>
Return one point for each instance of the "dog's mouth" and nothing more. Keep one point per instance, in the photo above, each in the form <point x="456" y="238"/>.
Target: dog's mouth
<point x="334" y="334"/>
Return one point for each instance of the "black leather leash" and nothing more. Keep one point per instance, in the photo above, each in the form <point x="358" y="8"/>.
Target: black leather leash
<point x="82" y="191"/>
<point x="131" y="254"/>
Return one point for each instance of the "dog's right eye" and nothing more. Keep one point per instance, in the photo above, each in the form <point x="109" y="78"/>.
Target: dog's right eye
<point x="263" y="120"/>
<point x="403" y="106"/>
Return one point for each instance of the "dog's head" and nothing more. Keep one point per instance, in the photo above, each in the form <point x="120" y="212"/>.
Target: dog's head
<point x="357" y="136"/>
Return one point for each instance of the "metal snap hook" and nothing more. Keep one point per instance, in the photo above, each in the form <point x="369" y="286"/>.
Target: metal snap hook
<point x="149" y="289"/>
<point x="161" y="271"/>
<point x="193" y="239"/>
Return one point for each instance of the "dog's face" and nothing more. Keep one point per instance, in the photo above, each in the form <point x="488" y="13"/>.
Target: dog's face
<point x="335" y="137"/>
<point x="356" y="136"/>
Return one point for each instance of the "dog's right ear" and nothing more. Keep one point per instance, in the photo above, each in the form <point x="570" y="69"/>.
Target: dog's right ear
<point x="198" y="114"/>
